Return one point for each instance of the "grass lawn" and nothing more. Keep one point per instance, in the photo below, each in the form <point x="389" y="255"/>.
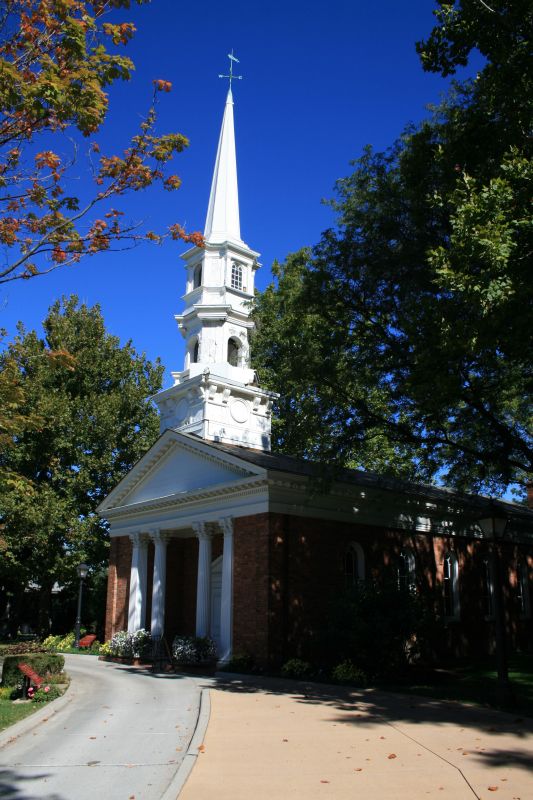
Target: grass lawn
<point x="12" y="712"/>
<point x="82" y="651"/>
<point x="476" y="682"/>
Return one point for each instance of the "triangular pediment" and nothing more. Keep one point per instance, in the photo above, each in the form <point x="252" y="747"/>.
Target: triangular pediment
<point x="177" y="465"/>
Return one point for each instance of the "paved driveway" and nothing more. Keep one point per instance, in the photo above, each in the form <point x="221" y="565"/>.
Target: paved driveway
<point x="122" y="735"/>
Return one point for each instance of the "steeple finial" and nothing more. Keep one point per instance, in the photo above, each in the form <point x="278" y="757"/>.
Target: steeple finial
<point x="231" y="76"/>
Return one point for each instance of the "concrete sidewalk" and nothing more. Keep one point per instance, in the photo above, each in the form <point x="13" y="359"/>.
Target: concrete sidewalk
<point x="282" y="740"/>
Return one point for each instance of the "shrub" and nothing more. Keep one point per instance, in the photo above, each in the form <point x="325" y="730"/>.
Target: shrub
<point x="240" y="662"/>
<point x="67" y="641"/>
<point x="106" y="649"/>
<point x="297" y="669"/>
<point x="379" y="628"/>
<point x="51" y="643"/>
<point x="43" y="663"/>
<point x="129" y="645"/>
<point x="348" y="672"/>
<point x="46" y="693"/>
<point x="194" y="650"/>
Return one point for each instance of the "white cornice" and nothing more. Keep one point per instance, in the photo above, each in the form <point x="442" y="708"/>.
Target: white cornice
<point x="174" y="506"/>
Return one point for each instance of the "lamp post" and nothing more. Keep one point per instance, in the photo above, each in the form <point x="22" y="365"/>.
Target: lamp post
<point x="82" y="570"/>
<point x="493" y="526"/>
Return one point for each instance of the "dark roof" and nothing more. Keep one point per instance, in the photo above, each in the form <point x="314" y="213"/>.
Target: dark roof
<point x="280" y="462"/>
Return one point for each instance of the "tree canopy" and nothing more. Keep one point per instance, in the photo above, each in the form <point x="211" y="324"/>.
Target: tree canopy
<point x="82" y="421"/>
<point x="403" y="340"/>
<point x="55" y="67"/>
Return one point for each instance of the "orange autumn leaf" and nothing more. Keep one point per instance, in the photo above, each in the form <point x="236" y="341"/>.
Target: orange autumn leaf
<point x="392" y="755"/>
<point x="201" y="748"/>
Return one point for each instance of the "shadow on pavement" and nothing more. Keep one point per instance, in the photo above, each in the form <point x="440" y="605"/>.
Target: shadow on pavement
<point x="368" y="705"/>
<point x="11" y="787"/>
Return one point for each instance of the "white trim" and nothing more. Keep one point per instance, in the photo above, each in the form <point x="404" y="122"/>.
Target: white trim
<point x="411" y="567"/>
<point x="455" y="597"/>
<point x="522" y="577"/>
<point x="359" y="559"/>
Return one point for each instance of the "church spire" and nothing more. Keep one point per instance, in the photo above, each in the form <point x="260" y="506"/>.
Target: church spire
<point x="216" y="396"/>
<point x="222" y="223"/>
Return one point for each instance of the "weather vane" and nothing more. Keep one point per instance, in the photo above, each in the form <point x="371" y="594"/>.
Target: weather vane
<point x="231" y="76"/>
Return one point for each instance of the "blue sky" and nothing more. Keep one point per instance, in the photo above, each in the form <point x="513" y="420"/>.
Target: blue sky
<point x="321" y="80"/>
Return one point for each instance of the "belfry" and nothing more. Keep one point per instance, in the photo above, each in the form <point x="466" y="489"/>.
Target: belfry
<point x="216" y="396"/>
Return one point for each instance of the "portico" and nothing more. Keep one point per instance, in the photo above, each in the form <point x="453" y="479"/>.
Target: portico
<point x="212" y="618"/>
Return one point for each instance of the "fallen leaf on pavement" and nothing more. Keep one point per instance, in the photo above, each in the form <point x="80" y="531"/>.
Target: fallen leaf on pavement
<point x="324" y="781"/>
<point x="492" y="788"/>
<point x="358" y="769"/>
<point x="201" y="748"/>
<point x="392" y="755"/>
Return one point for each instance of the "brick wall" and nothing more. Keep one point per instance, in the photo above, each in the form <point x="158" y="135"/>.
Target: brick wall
<point x="251" y="586"/>
<point x="118" y="585"/>
<point x="288" y="570"/>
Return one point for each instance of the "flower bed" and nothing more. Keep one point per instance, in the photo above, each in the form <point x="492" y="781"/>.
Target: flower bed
<point x="127" y="647"/>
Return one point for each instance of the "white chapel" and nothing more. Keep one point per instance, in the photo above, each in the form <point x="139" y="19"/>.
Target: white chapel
<point x="211" y="534"/>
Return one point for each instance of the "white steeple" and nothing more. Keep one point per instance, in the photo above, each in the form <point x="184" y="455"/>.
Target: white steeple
<point x="222" y="223"/>
<point x="217" y="396"/>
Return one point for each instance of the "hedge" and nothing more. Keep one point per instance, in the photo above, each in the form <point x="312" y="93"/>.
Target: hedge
<point x="43" y="663"/>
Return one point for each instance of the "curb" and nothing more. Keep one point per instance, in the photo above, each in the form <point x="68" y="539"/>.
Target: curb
<point x="185" y="768"/>
<point x="13" y="732"/>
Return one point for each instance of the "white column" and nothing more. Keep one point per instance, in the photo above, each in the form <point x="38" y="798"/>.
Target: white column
<point x="158" y="589"/>
<point x="226" y="610"/>
<point x="138" y="575"/>
<point x="203" y="585"/>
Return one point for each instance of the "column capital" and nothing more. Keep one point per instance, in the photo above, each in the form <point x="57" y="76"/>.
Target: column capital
<point x="139" y="539"/>
<point x="158" y="536"/>
<point x="200" y="530"/>
<point x="226" y="523"/>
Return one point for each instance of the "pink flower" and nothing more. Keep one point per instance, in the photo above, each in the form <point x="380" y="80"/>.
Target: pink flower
<point x="46" y="688"/>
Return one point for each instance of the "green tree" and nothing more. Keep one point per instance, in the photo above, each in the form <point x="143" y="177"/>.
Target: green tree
<point x="411" y="320"/>
<point x="55" y="67"/>
<point x="84" y="395"/>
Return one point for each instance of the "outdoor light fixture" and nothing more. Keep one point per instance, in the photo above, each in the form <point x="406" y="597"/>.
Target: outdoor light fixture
<point x="82" y="570"/>
<point x="493" y="526"/>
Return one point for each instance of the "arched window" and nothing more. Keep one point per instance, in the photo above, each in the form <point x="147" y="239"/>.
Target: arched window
<point x="451" y="586"/>
<point x="233" y="352"/>
<point x="354" y="565"/>
<point x="406" y="571"/>
<point x="488" y="588"/>
<point x="194" y="350"/>
<point x="236" y="276"/>
<point x="197" y="277"/>
<point x="522" y="590"/>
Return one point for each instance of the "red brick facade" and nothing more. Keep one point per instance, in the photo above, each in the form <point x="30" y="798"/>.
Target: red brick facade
<point x="288" y="569"/>
<point x="118" y="586"/>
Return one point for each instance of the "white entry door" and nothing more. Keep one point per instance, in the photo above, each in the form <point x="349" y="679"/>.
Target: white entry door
<point x="216" y="601"/>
